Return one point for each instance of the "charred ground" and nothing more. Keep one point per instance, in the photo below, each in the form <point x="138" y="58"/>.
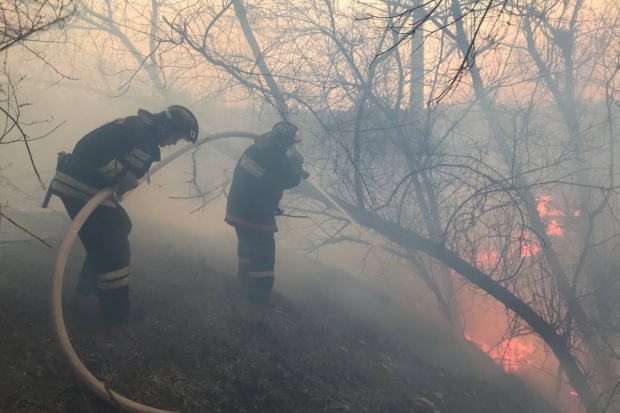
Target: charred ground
<point x="195" y="344"/>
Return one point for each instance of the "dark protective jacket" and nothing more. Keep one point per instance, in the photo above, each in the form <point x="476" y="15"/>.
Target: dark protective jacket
<point x="259" y="180"/>
<point x="105" y="155"/>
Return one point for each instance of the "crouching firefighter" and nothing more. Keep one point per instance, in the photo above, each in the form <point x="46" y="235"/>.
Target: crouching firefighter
<point x="118" y="153"/>
<point x="265" y="170"/>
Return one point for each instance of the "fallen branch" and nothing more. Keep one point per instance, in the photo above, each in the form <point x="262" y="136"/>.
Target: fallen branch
<point x="23" y="229"/>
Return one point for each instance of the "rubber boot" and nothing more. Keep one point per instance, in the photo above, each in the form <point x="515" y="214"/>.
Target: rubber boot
<point x="87" y="284"/>
<point x="260" y="290"/>
<point x="243" y="274"/>
<point x="114" y="306"/>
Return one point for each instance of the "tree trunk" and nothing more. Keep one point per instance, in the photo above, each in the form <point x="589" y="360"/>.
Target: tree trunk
<point x="410" y="239"/>
<point x="417" y="116"/>
<point x="274" y="89"/>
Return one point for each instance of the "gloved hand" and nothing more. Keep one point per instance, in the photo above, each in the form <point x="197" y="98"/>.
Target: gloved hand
<point x="297" y="160"/>
<point x="127" y="183"/>
<point x="296" y="157"/>
<point x="279" y="211"/>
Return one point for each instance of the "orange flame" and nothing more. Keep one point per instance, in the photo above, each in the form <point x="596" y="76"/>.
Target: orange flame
<point x="510" y="354"/>
<point x="546" y="211"/>
<point x="554" y="229"/>
<point x="529" y="246"/>
<point x="488" y="260"/>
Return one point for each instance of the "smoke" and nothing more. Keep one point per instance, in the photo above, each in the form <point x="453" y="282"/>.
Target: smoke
<point x="514" y="172"/>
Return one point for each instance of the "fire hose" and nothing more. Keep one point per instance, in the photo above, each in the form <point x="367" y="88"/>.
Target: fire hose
<point x="58" y="323"/>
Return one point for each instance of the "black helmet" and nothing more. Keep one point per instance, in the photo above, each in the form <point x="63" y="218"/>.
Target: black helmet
<point x="174" y="119"/>
<point x="285" y="133"/>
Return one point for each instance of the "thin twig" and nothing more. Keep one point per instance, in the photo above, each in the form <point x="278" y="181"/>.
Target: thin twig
<point x="23" y="229"/>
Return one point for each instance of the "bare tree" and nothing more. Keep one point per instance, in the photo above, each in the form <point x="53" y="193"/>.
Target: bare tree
<point x="483" y="201"/>
<point x="23" y="23"/>
<point x="509" y="145"/>
<point x="398" y="141"/>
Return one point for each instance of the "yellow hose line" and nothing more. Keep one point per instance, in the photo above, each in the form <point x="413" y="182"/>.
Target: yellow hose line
<point x="187" y="148"/>
<point x="235" y="134"/>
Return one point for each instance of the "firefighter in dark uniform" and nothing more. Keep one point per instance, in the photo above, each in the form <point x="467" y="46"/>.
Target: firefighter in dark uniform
<point x="265" y="170"/>
<point x="118" y="153"/>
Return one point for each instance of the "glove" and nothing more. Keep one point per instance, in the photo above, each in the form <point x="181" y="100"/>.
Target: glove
<point x="279" y="211"/>
<point x="297" y="165"/>
<point x="296" y="157"/>
<point x="127" y="183"/>
<point x="119" y="195"/>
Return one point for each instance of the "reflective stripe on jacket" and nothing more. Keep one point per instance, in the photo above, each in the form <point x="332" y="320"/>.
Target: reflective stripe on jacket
<point x="106" y="155"/>
<point x="259" y="179"/>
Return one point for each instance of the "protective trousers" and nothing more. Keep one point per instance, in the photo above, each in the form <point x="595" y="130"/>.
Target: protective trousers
<point x="105" y="239"/>
<point x="256" y="250"/>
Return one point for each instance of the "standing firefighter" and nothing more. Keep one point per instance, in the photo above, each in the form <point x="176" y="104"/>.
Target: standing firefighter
<point x="118" y="153"/>
<point x="265" y="170"/>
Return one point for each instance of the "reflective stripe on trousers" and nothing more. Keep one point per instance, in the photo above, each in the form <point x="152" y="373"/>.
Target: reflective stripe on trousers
<point x="114" y="279"/>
